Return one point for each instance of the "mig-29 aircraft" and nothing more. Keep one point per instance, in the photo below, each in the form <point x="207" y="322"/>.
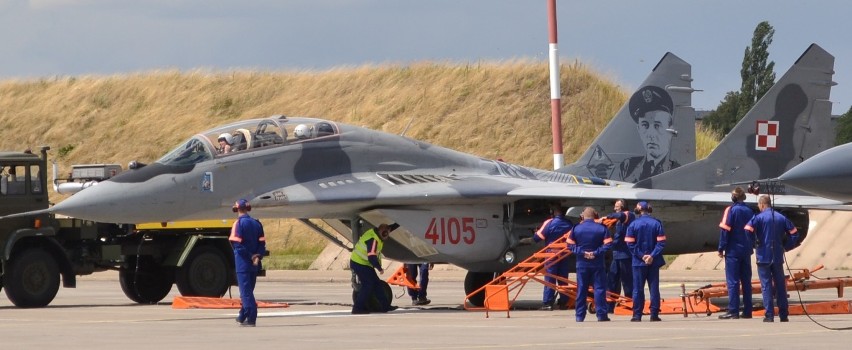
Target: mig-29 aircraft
<point x="452" y="207"/>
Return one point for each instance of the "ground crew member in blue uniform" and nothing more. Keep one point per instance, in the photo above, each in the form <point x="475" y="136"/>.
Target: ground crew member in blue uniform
<point x="775" y="234"/>
<point x="249" y="245"/>
<point x="365" y="260"/>
<point x="646" y="240"/>
<point x="551" y="230"/>
<point x="589" y="241"/>
<point x="736" y="245"/>
<point x="620" y="272"/>
<point x="418" y="296"/>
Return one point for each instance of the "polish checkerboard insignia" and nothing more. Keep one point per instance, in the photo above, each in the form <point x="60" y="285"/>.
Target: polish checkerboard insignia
<point x="767" y="135"/>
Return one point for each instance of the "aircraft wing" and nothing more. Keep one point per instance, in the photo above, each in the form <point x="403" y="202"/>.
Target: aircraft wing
<point x="612" y="193"/>
<point x="367" y="190"/>
<point x="394" y="189"/>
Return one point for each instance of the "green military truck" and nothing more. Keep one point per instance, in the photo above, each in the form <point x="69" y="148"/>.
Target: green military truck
<point x="36" y="250"/>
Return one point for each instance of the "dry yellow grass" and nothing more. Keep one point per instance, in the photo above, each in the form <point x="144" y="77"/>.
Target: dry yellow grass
<point x="706" y="140"/>
<point x="499" y="109"/>
<point x="490" y="109"/>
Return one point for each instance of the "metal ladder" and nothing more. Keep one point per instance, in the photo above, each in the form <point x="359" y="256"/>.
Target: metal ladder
<point x="501" y="292"/>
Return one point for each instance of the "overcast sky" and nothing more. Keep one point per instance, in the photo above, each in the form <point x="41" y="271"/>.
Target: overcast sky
<point x="622" y="39"/>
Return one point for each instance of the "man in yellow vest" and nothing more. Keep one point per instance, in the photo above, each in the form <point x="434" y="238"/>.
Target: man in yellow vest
<point x="366" y="259"/>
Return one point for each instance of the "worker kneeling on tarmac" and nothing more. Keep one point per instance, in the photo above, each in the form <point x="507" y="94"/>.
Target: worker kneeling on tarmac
<point x="366" y="259"/>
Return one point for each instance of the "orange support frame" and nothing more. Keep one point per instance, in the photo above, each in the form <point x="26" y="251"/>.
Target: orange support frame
<point x="400" y="278"/>
<point x="497" y="299"/>
<point x="800" y="281"/>
<point x="502" y="292"/>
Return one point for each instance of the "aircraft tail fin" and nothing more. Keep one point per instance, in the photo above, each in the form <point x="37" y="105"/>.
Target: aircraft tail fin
<point x="669" y="86"/>
<point x="790" y="123"/>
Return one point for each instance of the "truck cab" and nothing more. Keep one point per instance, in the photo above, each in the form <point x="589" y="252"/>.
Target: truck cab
<point x="22" y="183"/>
<point x="37" y="248"/>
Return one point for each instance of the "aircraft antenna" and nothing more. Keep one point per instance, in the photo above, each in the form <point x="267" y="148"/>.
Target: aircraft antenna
<point x="407" y="126"/>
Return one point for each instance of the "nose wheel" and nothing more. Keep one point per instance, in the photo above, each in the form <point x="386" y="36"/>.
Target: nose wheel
<point x="474" y="281"/>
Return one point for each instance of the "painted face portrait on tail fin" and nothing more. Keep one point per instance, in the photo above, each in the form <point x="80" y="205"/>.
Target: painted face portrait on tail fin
<point x="651" y="107"/>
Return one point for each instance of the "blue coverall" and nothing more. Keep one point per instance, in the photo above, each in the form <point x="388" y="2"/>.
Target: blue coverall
<point x="248" y="240"/>
<point x="737" y="245"/>
<point x="413" y="270"/>
<point x="620" y="269"/>
<point x="645" y="236"/>
<point x="551" y="230"/>
<point x="589" y="236"/>
<point x="775" y="234"/>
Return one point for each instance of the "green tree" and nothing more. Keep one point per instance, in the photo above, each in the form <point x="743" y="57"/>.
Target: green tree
<point x="724" y="117"/>
<point x="757" y="75"/>
<point x="844" y="128"/>
<point x="757" y="72"/>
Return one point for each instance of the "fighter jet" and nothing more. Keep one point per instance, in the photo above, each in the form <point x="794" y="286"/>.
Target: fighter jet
<point x="452" y="207"/>
<point x="827" y="174"/>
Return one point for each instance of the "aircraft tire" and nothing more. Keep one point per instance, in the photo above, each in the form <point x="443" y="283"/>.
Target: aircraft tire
<point x="32" y="278"/>
<point x="474" y="281"/>
<point x="147" y="284"/>
<point x="373" y="305"/>
<point x="204" y="273"/>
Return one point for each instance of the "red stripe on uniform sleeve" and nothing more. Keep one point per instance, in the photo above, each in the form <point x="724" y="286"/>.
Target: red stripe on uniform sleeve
<point x="724" y="223"/>
<point x="540" y="232"/>
<point x="373" y="248"/>
<point x="630" y="239"/>
<point x="234" y="237"/>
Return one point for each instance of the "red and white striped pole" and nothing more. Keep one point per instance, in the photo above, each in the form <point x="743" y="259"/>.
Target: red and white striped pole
<point x="555" y="101"/>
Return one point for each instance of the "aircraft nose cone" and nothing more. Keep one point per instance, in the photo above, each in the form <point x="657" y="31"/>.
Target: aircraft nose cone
<point x="826" y="174"/>
<point x="97" y="203"/>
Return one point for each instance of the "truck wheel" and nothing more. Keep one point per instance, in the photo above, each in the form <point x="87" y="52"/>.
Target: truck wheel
<point x="149" y="285"/>
<point x="32" y="278"/>
<point x="204" y="273"/>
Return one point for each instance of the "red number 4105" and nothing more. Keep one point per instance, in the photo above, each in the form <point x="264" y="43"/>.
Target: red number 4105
<point x="451" y="230"/>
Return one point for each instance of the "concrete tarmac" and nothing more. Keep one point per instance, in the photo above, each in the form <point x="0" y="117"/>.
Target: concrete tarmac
<point x="97" y="315"/>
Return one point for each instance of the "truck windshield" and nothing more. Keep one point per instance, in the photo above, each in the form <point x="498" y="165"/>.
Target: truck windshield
<point x="192" y="152"/>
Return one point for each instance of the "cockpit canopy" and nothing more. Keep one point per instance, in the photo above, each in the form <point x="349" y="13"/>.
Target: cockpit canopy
<point x="249" y="135"/>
